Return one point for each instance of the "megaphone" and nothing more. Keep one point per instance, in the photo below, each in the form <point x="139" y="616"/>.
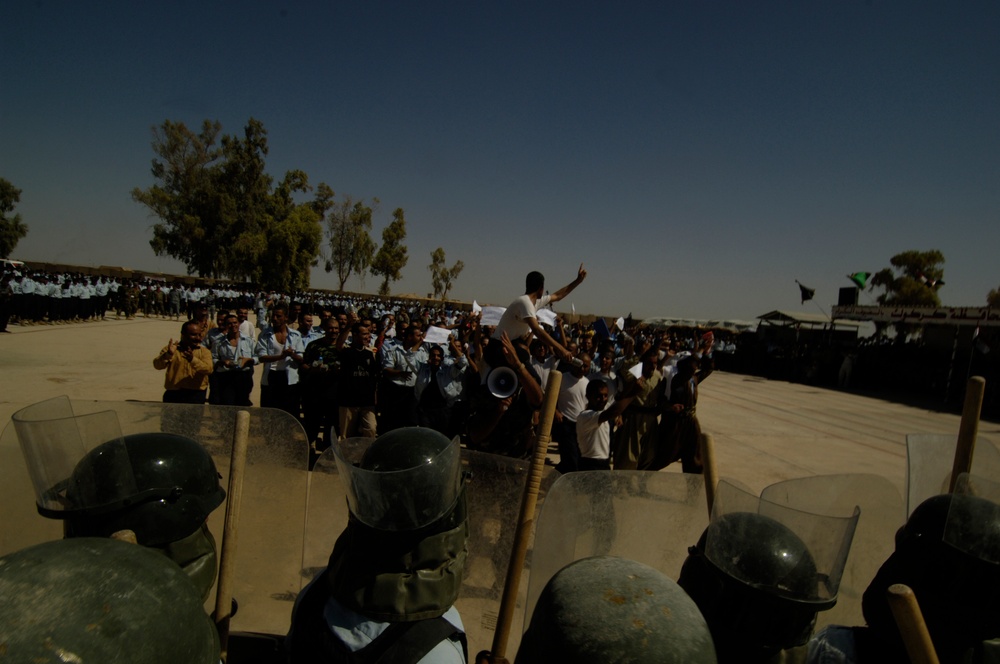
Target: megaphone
<point x="502" y="382"/>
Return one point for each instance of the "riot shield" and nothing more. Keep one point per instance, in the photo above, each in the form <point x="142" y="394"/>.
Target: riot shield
<point x="271" y="526"/>
<point x="649" y="517"/>
<point x="881" y="515"/>
<point x="493" y="496"/>
<point x="929" y="460"/>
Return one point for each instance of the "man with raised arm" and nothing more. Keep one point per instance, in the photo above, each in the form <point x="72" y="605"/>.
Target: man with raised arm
<point x="519" y="319"/>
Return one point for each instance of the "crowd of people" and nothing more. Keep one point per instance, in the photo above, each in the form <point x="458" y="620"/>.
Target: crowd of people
<point x="348" y="366"/>
<point x="352" y="367"/>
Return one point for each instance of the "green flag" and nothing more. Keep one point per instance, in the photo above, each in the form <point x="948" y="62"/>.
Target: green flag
<point x="859" y="278"/>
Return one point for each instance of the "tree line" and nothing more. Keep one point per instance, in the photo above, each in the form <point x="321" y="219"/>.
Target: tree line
<point x="222" y="215"/>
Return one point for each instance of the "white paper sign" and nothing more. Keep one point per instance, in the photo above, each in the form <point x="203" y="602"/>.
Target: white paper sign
<point x="492" y="315"/>
<point x="437" y="335"/>
<point x="546" y="316"/>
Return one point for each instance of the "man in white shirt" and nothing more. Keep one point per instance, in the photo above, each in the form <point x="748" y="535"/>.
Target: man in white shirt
<point x="572" y="402"/>
<point x="520" y="318"/>
<point x="593" y="428"/>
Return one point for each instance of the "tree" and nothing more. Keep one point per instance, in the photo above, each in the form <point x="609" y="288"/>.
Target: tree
<point x="993" y="299"/>
<point x="11" y="227"/>
<point x="221" y="214"/>
<point x="351" y="247"/>
<point x="185" y="200"/>
<point x="443" y="278"/>
<point x="912" y="280"/>
<point x="391" y="257"/>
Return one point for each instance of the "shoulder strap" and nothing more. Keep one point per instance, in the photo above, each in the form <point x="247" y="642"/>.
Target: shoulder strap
<point x="400" y="643"/>
<point x="409" y="642"/>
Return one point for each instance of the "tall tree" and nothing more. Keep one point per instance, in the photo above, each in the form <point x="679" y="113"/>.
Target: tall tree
<point x="391" y="257"/>
<point x="443" y="277"/>
<point x="220" y="212"/>
<point x="993" y="299"/>
<point x="352" y="249"/>
<point x="11" y="227"/>
<point x="186" y="199"/>
<point x="248" y="205"/>
<point x="913" y="280"/>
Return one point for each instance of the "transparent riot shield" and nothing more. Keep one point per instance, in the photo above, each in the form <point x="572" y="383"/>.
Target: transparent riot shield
<point x="649" y="517"/>
<point x="881" y="515"/>
<point x="493" y="496"/>
<point x="271" y="526"/>
<point x="929" y="459"/>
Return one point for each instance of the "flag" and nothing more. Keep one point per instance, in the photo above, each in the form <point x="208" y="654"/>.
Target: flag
<point x="806" y="293"/>
<point x="927" y="281"/>
<point x="859" y="278"/>
<point x="601" y="328"/>
<point x="979" y="345"/>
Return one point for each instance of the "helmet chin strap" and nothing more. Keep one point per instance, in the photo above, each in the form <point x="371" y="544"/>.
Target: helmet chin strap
<point x="196" y="554"/>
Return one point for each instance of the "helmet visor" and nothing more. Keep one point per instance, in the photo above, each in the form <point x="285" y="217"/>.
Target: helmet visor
<point x="973" y="524"/>
<point x="405" y="499"/>
<point x="54" y="441"/>
<point x="788" y="552"/>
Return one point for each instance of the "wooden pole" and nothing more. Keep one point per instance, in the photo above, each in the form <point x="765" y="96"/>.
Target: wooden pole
<point x="910" y="622"/>
<point x="968" y="429"/>
<point x="526" y="518"/>
<point x="711" y="470"/>
<point x="227" y="555"/>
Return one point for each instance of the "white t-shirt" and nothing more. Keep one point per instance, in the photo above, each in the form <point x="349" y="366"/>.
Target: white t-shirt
<point x="512" y="321"/>
<point x="572" y="396"/>
<point x="593" y="436"/>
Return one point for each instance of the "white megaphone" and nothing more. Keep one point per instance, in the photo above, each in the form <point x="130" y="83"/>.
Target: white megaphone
<point x="502" y="382"/>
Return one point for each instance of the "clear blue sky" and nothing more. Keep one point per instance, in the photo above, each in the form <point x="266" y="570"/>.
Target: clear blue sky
<point x="698" y="157"/>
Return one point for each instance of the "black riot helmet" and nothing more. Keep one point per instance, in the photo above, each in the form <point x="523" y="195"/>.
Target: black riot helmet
<point x="405" y="480"/>
<point x="948" y="552"/>
<point x="756" y="580"/>
<point x="161" y="486"/>
<point x="403" y="553"/>
<point x="613" y="610"/>
<point x="176" y="487"/>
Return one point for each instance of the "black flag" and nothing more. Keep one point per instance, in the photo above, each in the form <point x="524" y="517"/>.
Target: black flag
<point x="806" y="293"/>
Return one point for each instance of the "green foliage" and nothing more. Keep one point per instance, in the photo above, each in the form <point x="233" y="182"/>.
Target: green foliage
<point x="902" y="283"/>
<point x="993" y="299"/>
<point x="352" y="249"/>
<point x="443" y="278"/>
<point x="220" y="213"/>
<point x="912" y="281"/>
<point x="391" y="257"/>
<point x="11" y="227"/>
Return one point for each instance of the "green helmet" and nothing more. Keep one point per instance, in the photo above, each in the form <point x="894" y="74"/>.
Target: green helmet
<point x="100" y="600"/>
<point x="613" y="610"/>
<point x="173" y="486"/>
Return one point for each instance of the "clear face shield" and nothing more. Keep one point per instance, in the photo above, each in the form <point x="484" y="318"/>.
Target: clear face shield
<point x="973" y="525"/>
<point x="54" y="442"/>
<point x="408" y="495"/>
<point x="783" y="551"/>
